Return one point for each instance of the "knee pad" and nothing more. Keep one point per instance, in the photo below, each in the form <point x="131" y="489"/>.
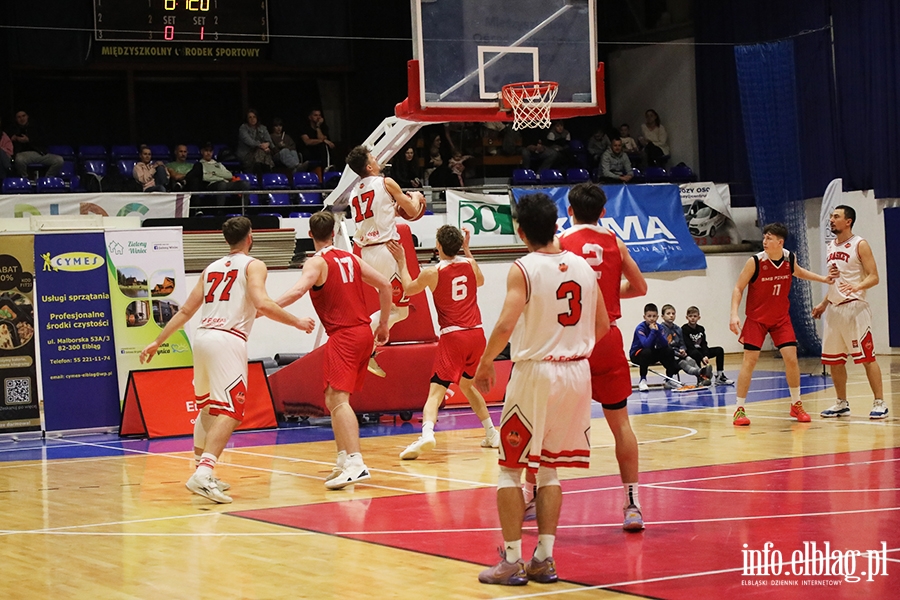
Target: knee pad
<point x="509" y="478"/>
<point x="546" y="476"/>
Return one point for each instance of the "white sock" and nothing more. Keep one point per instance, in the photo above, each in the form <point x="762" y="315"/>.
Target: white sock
<point x="488" y="425"/>
<point x="741" y="401"/>
<point x="631" y="495"/>
<point x="544" y="546"/>
<point x="795" y="395"/>
<point x="341" y="459"/>
<point x="513" y="550"/>
<point x="207" y="464"/>
<point x="197" y="458"/>
<point x="354" y="459"/>
<point x="427" y="428"/>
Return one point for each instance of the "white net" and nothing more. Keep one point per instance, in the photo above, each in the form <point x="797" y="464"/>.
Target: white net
<point x="530" y="103"/>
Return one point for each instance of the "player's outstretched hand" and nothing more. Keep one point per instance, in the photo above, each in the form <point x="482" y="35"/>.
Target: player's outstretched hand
<point x="306" y="324"/>
<point x="484" y="377"/>
<point x="818" y="310"/>
<point x="397" y="252"/>
<point x="382" y="333"/>
<point x="149" y="352"/>
<point x="735" y="325"/>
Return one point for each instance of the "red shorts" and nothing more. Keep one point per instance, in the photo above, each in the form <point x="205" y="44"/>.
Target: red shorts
<point x="754" y="333"/>
<point x="346" y="360"/>
<point x="458" y="353"/>
<point x="610" y="375"/>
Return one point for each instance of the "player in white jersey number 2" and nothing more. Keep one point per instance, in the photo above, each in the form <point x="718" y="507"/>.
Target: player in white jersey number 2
<point x="546" y="418"/>
<point x="229" y="294"/>
<point x="848" y="318"/>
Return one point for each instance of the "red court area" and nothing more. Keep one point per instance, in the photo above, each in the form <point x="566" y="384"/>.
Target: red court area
<point x="698" y="520"/>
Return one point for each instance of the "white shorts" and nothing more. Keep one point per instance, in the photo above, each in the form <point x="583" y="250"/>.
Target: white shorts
<point x="848" y="332"/>
<point x="380" y="258"/>
<point x="220" y="372"/>
<point x="547" y="415"/>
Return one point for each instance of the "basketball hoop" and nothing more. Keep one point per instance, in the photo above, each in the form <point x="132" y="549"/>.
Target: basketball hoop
<point x="530" y="102"/>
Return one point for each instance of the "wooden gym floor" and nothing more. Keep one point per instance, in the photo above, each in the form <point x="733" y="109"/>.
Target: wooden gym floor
<point x="97" y="517"/>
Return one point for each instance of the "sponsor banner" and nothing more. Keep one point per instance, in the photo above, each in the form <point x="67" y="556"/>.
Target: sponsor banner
<point x="487" y="216"/>
<point x="78" y="369"/>
<point x="145" y="206"/>
<point x="19" y="409"/>
<point x="147" y="287"/>
<point x="648" y="218"/>
<point x="707" y="211"/>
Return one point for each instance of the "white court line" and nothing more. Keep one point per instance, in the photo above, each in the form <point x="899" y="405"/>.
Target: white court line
<point x="721" y="491"/>
<point x="647" y="523"/>
<point x="251" y="468"/>
<point x="690" y="432"/>
<point x="295" y="533"/>
<point x="108" y="524"/>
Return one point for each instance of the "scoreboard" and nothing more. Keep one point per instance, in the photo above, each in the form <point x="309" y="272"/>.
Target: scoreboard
<point x="194" y="21"/>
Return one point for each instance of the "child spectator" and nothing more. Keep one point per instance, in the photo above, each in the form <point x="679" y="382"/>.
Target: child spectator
<point x="650" y="346"/>
<point x="676" y="342"/>
<point x="457" y="164"/>
<point x="699" y="350"/>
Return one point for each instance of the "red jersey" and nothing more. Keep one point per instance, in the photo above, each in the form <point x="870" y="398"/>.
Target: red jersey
<point x="339" y="301"/>
<point x="600" y="248"/>
<point x="455" y="296"/>
<point x="767" y="294"/>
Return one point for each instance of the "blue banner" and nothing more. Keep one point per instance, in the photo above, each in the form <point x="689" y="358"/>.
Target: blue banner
<point x="78" y="368"/>
<point x="648" y="218"/>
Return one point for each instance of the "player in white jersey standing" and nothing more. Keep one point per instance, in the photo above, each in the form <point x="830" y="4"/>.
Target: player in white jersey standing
<point x="546" y="416"/>
<point x="374" y="205"/>
<point x="848" y="318"/>
<point x="229" y="293"/>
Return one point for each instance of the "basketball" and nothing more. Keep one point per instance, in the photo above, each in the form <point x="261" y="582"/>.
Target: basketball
<point x="418" y="198"/>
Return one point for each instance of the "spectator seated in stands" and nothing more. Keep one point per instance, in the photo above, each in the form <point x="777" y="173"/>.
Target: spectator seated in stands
<point x="675" y="337"/>
<point x="212" y="176"/>
<point x="629" y="145"/>
<point x="649" y="346"/>
<point x="28" y="147"/>
<point x="538" y="152"/>
<point x="457" y="164"/>
<point x="615" y="167"/>
<point x="151" y="175"/>
<point x="597" y="145"/>
<point x="405" y="169"/>
<point x="655" y="140"/>
<point x="254" y="148"/>
<point x="437" y="167"/>
<point x="699" y="349"/>
<point x="315" y="138"/>
<point x="179" y="169"/>
<point x="559" y="139"/>
<point x="6" y="154"/>
<point x="284" y="148"/>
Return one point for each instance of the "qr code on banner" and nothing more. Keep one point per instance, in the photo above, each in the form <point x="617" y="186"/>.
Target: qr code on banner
<point x="18" y="390"/>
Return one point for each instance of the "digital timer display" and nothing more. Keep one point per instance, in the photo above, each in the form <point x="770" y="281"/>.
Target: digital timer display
<point x="197" y="21"/>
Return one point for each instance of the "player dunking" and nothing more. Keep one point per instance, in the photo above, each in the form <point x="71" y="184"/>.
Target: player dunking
<point x="229" y="293"/>
<point x="374" y="205"/>
<point x="547" y="413"/>
<point x="769" y="275"/>
<point x="848" y="322"/>
<point x="610" y="375"/>
<point x="336" y="281"/>
<point x="453" y="283"/>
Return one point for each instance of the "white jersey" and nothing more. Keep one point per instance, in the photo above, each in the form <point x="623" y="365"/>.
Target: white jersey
<point x="845" y="256"/>
<point x="226" y="302"/>
<point x="560" y="308"/>
<point x="373" y="212"/>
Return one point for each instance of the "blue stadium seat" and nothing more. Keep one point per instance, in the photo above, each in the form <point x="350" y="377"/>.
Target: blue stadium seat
<point x="17" y="185"/>
<point x="65" y="151"/>
<point x="305" y="180"/>
<point x="577" y="175"/>
<point x="329" y="175"/>
<point x="96" y="168"/>
<point x="160" y="152"/>
<point x="580" y="153"/>
<point x="126" y="168"/>
<point x="120" y="152"/>
<point x="86" y="153"/>
<point x="552" y="177"/>
<point x="682" y="174"/>
<point x="51" y="185"/>
<point x="251" y="179"/>
<point x="275" y="181"/>
<point x="636" y="175"/>
<point x="193" y="152"/>
<point x="656" y="175"/>
<point x="279" y="199"/>
<point x="309" y="198"/>
<point x="524" y="177"/>
<point x="68" y="170"/>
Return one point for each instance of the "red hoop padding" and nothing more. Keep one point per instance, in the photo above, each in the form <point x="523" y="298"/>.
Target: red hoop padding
<point x="530" y="102"/>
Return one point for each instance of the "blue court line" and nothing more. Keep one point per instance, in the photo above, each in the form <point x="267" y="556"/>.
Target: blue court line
<point x="766" y="385"/>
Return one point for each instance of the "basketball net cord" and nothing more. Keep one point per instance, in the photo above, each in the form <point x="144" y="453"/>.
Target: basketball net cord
<point x="530" y="103"/>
